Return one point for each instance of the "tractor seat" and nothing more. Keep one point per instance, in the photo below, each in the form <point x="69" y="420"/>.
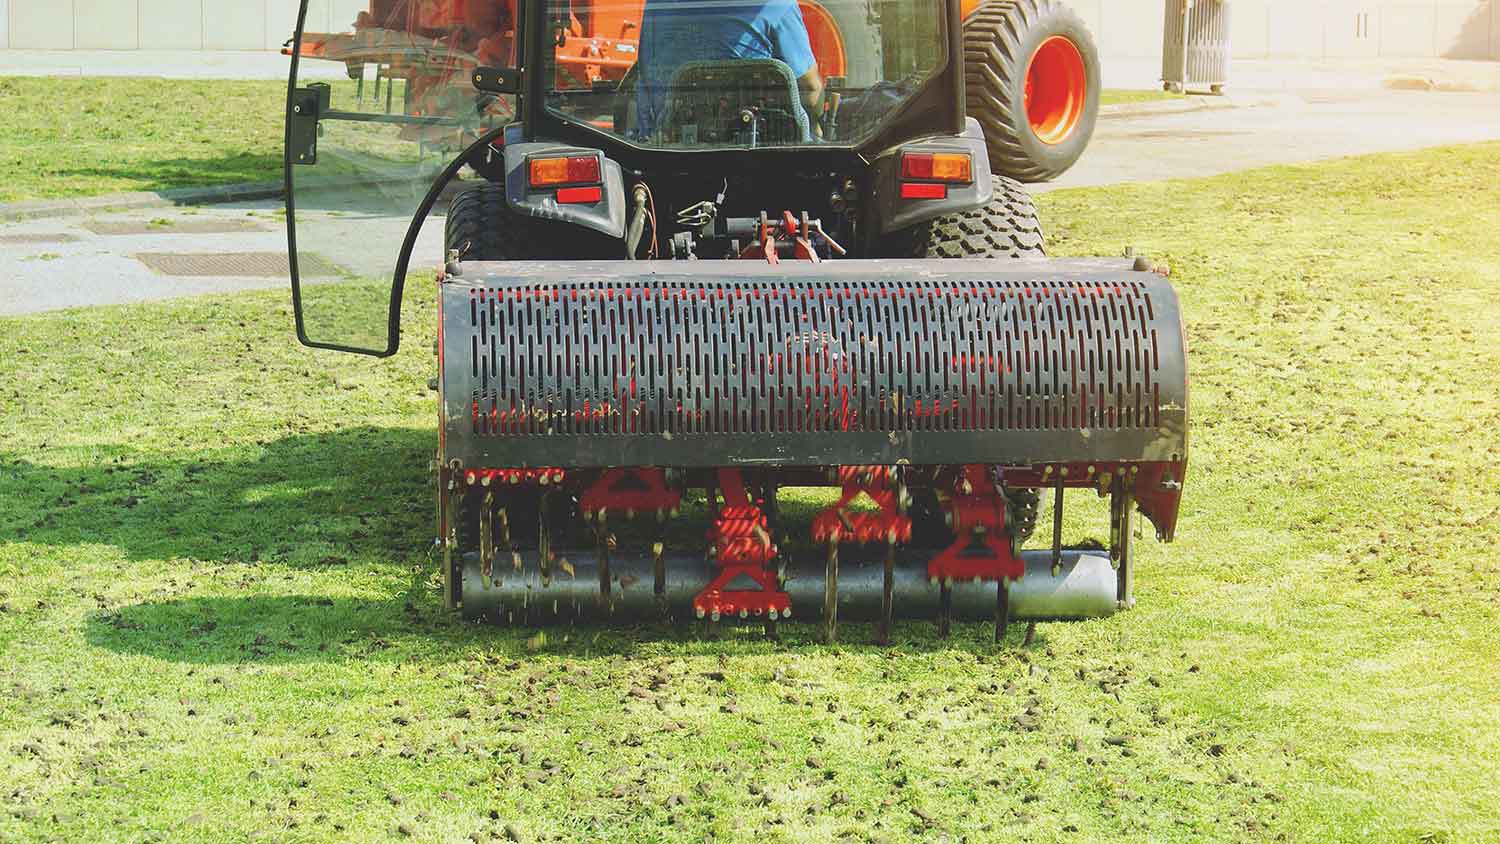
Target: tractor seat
<point x="707" y="97"/>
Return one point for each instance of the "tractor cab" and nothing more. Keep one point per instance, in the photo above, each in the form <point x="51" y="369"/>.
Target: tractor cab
<point x="755" y="106"/>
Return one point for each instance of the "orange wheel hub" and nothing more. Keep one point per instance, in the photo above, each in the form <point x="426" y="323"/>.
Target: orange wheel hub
<point x="1057" y="87"/>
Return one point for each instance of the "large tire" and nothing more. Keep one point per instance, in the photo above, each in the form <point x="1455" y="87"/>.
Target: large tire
<point x="1041" y="46"/>
<point x="1008" y="227"/>
<point x="482" y="227"/>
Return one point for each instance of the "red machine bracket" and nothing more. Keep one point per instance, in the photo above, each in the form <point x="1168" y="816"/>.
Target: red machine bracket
<point x="630" y="490"/>
<point x="982" y="550"/>
<point x="742" y="547"/>
<point x="801" y="236"/>
<point x="838" y="524"/>
<point x="767" y="233"/>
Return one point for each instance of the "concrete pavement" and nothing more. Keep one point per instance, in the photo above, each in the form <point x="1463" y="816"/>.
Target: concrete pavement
<point x="98" y="259"/>
<point x="148" y="254"/>
<point x="1280" y="129"/>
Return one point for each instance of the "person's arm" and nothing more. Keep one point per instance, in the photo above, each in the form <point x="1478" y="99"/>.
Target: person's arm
<point x="792" y="45"/>
<point x="811" y="86"/>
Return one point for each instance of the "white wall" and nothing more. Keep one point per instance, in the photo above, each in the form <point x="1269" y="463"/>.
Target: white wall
<point x="1459" y="29"/>
<point x="42" y="24"/>
<point x="169" y="24"/>
<point x="1125" y="28"/>
<point x="106" y="24"/>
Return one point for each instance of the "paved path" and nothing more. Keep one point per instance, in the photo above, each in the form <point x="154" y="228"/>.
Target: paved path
<point x="68" y="262"/>
<point x="104" y="259"/>
<point x="1284" y="129"/>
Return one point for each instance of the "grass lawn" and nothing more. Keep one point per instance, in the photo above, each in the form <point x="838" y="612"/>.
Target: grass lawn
<point x="219" y="621"/>
<point x="66" y="137"/>
<point x="1121" y="96"/>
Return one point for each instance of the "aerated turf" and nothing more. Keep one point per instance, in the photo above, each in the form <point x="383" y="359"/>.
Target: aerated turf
<point x="219" y="618"/>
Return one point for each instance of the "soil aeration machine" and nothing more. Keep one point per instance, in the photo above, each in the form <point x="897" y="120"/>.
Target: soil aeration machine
<point x="682" y="279"/>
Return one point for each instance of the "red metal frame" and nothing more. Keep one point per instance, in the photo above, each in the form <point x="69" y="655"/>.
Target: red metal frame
<point x="837" y="523"/>
<point x="742" y="547"/>
<point x="630" y="490"/>
<point x="977" y="512"/>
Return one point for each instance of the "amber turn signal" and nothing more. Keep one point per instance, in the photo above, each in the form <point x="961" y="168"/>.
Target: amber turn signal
<point x="951" y="167"/>
<point x="565" y="170"/>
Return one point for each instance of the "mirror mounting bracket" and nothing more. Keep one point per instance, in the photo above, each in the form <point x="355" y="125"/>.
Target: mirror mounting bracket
<point x="308" y="107"/>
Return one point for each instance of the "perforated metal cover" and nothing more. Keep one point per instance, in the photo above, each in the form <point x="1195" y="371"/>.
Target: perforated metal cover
<point x="725" y="363"/>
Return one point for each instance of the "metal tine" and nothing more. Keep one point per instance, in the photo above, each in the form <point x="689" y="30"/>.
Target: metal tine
<point x="1002" y="608"/>
<point x="773" y="523"/>
<point x="945" y="608"/>
<point x="1057" y="517"/>
<point x="487" y="539"/>
<point x="1121" y="544"/>
<point x="659" y="568"/>
<point x="451" y="579"/>
<point x="601" y="537"/>
<point x="887" y="595"/>
<point x="831" y="591"/>
<point x="510" y="548"/>
<point x="544" y="539"/>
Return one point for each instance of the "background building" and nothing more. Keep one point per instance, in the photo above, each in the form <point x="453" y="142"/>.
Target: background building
<point x="1309" y="29"/>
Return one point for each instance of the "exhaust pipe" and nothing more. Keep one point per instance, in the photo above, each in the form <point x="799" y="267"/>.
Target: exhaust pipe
<point x="1085" y="586"/>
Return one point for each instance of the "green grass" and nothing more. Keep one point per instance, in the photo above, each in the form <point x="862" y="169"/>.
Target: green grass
<point x="1121" y="96"/>
<point x="219" y="622"/>
<point x="64" y="138"/>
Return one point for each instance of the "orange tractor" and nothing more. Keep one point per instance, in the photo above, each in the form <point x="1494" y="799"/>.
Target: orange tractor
<point x="1032" y="70"/>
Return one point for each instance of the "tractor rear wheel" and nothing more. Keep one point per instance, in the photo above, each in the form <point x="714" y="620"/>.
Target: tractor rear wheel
<point x="482" y="227"/>
<point x="1008" y="227"/>
<point x="1032" y="82"/>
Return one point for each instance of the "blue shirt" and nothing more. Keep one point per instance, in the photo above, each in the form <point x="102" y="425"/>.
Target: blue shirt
<point x="676" y="32"/>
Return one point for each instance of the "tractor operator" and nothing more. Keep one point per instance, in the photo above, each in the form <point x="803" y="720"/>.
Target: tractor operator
<point x="676" y="32"/>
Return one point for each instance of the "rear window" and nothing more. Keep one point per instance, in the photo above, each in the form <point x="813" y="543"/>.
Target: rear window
<point x="706" y="74"/>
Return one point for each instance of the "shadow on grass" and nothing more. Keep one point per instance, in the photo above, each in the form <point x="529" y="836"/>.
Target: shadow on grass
<point x="292" y="629"/>
<point x="305" y="501"/>
<point x="358" y="500"/>
<point x="261" y="628"/>
<point x="163" y="174"/>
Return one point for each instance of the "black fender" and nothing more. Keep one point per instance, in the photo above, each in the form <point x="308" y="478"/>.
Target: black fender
<point x="894" y="213"/>
<point x="606" y="216"/>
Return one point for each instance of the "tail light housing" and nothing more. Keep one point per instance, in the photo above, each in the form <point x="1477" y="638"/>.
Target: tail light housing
<point x="927" y="175"/>
<point x="578" y="178"/>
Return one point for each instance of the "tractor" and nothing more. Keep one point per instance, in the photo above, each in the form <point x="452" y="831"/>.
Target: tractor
<point x="742" y="328"/>
<point x="1032" y="77"/>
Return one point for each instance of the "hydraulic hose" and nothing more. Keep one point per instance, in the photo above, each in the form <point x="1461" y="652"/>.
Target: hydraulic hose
<point x="637" y="227"/>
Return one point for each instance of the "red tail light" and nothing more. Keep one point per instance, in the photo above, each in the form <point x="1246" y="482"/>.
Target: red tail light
<point x="923" y="190"/>
<point x="580" y="196"/>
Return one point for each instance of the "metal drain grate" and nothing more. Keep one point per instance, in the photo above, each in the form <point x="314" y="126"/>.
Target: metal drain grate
<point x="235" y="264"/>
<point x="137" y="227"/>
